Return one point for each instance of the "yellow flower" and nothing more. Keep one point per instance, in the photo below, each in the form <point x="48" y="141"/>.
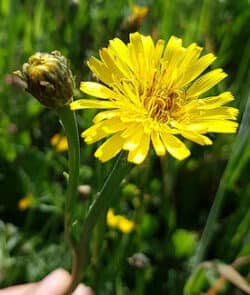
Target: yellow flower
<point x="148" y="98"/>
<point x="133" y="21"/>
<point x="59" y="142"/>
<point x="126" y="226"/>
<point x="120" y="222"/>
<point x="139" y="12"/>
<point x="111" y="220"/>
<point x="25" y="202"/>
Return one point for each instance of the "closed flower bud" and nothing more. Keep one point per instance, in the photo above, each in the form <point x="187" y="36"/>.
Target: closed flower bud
<point x="48" y="78"/>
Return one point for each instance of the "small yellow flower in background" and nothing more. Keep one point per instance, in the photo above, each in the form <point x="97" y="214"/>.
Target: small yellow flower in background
<point x="25" y="202"/>
<point x="150" y="94"/>
<point x="59" y="142"/>
<point x="126" y="226"/>
<point x="134" y="20"/>
<point x="120" y="222"/>
<point x="139" y="12"/>
<point x="111" y="220"/>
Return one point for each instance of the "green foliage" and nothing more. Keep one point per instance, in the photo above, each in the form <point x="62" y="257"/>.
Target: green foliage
<point x="184" y="243"/>
<point x="169" y="201"/>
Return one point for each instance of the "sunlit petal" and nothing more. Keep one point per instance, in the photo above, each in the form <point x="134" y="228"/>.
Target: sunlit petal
<point x="158" y="145"/>
<point x="205" y="82"/>
<point x="197" y="138"/>
<point x="139" y="154"/>
<point x="91" y="104"/>
<point x="110" y="148"/>
<point x="174" y="146"/>
<point x="97" y="89"/>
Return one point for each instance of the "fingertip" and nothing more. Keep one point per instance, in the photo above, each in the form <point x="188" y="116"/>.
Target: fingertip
<point x="55" y="283"/>
<point x="83" y="290"/>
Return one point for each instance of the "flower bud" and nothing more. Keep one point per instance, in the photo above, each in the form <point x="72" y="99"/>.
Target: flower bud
<point x="48" y="78"/>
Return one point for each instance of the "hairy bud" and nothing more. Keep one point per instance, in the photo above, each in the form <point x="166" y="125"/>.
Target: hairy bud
<point x="48" y="78"/>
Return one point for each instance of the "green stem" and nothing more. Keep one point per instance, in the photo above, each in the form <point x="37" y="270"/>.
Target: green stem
<point x="209" y="229"/>
<point x="69" y="122"/>
<point x="100" y="204"/>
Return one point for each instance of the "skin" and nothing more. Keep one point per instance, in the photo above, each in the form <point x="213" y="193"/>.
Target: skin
<point x="56" y="283"/>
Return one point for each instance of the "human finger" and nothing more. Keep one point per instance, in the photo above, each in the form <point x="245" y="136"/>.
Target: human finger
<point x="56" y="283"/>
<point x="83" y="290"/>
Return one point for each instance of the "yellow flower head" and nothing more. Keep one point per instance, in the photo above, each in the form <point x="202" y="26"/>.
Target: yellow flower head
<point x="120" y="222"/>
<point x="137" y="16"/>
<point x="150" y="94"/>
<point x="134" y="20"/>
<point x="139" y="12"/>
<point x="25" y="202"/>
<point x="59" y="142"/>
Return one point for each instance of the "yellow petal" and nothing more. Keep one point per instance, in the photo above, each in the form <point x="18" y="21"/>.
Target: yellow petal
<point x="91" y="130"/>
<point x="91" y="104"/>
<point x="210" y="125"/>
<point x="137" y="56"/>
<point x="130" y="130"/>
<point x="148" y="46"/>
<point x="136" y="41"/>
<point x="124" y="67"/>
<point x="139" y="154"/>
<point x="148" y="57"/>
<point x="93" y="134"/>
<point x="131" y="92"/>
<point x="102" y="129"/>
<point x="100" y="70"/>
<point x="221" y="126"/>
<point x="205" y="82"/>
<point x="121" y="50"/>
<point x="196" y="137"/>
<point x="97" y="90"/>
<point x="197" y="127"/>
<point x="215" y="101"/>
<point x="159" y="47"/>
<point x="106" y="115"/>
<point x="112" y="125"/>
<point x="173" y="53"/>
<point x="220" y="113"/>
<point x="194" y="69"/>
<point x="174" y="146"/>
<point x="190" y="57"/>
<point x="110" y="148"/>
<point x="158" y="144"/>
<point x="131" y="142"/>
<point x="109" y="62"/>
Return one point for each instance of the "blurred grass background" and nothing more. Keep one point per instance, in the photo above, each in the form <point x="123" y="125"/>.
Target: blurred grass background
<point x="168" y="201"/>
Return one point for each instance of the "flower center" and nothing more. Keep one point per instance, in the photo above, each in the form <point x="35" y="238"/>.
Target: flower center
<point x="161" y="104"/>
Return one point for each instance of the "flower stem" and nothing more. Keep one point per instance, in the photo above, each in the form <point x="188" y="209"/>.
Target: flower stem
<point x="100" y="204"/>
<point x="69" y="122"/>
<point x="209" y="229"/>
<point x="101" y="201"/>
